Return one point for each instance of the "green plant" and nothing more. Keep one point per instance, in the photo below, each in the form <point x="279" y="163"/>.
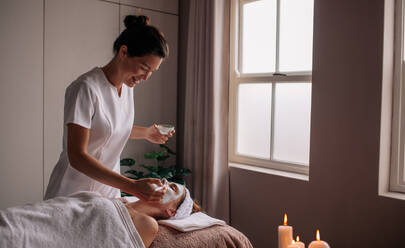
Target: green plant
<point x="172" y="173"/>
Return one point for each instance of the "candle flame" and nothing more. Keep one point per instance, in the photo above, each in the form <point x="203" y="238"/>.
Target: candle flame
<point x="285" y="219"/>
<point x="318" y="236"/>
<point x="298" y="238"/>
<point x="293" y="242"/>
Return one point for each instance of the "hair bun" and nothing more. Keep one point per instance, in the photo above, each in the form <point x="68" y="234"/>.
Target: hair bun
<point x="133" y="20"/>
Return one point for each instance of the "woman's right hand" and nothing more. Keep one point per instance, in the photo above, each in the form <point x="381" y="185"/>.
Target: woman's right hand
<point x="145" y="190"/>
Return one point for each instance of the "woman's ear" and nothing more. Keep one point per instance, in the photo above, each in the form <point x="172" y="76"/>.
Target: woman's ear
<point x="170" y="212"/>
<point x="123" y="51"/>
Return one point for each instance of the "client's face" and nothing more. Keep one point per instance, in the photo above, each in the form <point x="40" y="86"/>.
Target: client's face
<point x="173" y="193"/>
<point x="172" y="199"/>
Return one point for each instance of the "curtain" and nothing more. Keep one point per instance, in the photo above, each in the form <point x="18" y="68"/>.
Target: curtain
<point x="203" y="102"/>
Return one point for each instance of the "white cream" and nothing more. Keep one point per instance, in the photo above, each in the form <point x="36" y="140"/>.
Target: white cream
<point x="170" y="194"/>
<point x="165" y="185"/>
<point x="165" y="128"/>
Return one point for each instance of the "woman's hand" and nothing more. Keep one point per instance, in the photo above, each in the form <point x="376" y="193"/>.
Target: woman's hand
<point x="152" y="134"/>
<point x="145" y="190"/>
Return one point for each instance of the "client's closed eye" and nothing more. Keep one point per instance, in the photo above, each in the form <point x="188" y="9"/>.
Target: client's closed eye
<point x="174" y="187"/>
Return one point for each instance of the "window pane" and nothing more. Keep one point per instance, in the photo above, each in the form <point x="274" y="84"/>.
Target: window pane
<point x="254" y="114"/>
<point x="292" y="118"/>
<point x="259" y="36"/>
<point x="296" y="29"/>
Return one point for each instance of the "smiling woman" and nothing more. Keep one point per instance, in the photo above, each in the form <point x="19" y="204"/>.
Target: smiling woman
<point x="143" y="45"/>
<point x="99" y="115"/>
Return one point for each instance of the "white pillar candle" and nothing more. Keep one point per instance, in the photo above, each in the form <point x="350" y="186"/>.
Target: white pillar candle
<point x="318" y="243"/>
<point x="293" y="245"/>
<point x="299" y="243"/>
<point x="284" y="234"/>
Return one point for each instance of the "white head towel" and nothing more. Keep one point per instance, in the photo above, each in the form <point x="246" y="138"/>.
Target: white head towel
<point x="185" y="209"/>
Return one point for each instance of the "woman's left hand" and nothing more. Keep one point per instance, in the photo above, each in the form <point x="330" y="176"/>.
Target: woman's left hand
<point x="153" y="135"/>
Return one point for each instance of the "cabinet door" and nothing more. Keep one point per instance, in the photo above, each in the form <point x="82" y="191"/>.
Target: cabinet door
<point x="156" y="98"/>
<point x="168" y="6"/>
<point x="79" y="35"/>
<point x="21" y="100"/>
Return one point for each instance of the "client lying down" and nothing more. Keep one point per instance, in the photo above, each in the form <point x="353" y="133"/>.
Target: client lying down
<point x="87" y="219"/>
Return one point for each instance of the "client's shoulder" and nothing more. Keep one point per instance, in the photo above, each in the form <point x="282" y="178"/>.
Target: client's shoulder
<point x="141" y="219"/>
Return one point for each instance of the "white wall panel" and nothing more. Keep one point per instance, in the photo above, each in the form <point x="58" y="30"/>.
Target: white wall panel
<point x="170" y="6"/>
<point x="21" y="99"/>
<point x="79" y="35"/>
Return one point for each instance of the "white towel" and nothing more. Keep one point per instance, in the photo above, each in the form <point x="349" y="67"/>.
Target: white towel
<point x="185" y="208"/>
<point x="129" y="199"/>
<point x="82" y="220"/>
<point x="195" y="221"/>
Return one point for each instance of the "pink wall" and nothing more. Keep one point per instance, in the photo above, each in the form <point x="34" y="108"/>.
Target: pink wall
<point x="341" y="197"/>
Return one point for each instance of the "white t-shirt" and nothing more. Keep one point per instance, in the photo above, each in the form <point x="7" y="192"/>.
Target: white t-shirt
<point x="92" y="102"/>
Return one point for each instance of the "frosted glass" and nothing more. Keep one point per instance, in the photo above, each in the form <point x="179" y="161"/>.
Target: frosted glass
<point x="254" y="116"/>
<point x="292" y="119"/>
<point x="296" y="31"/>
<point x="259" y="36"/>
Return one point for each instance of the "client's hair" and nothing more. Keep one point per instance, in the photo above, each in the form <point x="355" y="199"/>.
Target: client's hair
<point x="196" y="208"/>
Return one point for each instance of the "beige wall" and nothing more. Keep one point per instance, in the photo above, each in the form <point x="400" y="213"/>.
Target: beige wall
<point x="21" y="101"/>
<point x="341" y="197"/>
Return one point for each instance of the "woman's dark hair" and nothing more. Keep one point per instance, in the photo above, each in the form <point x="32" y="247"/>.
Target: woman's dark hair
<point x="141" y="38"/>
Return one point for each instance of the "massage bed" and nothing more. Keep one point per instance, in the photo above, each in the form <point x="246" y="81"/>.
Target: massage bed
<point x="88" y="220"/>
<point x="214" y="236"/>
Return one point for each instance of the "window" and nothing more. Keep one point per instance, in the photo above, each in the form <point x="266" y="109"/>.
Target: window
<point x="270" y="83"/>
<point x="397" y="173"/>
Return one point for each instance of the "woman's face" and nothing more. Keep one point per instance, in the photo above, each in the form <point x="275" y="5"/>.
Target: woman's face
<point x="174" y="193"/>
<point x="171" y="200"/>
<point x="135" y="69"/>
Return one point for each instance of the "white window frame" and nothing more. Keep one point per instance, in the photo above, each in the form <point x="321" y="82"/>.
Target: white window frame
<point x="237" y="77"/>
<point x="397" y="179"/>
<point x="392" y="94"/>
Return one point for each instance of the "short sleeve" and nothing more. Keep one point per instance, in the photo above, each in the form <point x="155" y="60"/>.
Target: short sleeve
<point x="79" y="105"/>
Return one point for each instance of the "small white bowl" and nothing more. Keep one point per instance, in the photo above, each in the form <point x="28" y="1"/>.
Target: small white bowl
<point x="165" y="128"/>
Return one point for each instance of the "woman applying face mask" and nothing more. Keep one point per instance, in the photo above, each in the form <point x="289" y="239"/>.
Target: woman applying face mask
<point x="99" y="116"/>
<point x="176" y="202"/>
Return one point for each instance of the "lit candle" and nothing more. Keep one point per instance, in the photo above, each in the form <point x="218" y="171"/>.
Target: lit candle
<point x="293" y="245"/>
<point x="299" y="243"/>
<point x="318" y="243"/>
<point x="284" y="234"/>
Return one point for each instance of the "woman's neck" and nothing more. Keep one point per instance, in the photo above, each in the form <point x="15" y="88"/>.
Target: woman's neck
<point x="113" y="74"/>
<point x="144" y="208"/>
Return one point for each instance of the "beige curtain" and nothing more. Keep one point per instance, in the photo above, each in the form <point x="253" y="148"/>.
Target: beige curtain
<point x="203" y="101"/>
